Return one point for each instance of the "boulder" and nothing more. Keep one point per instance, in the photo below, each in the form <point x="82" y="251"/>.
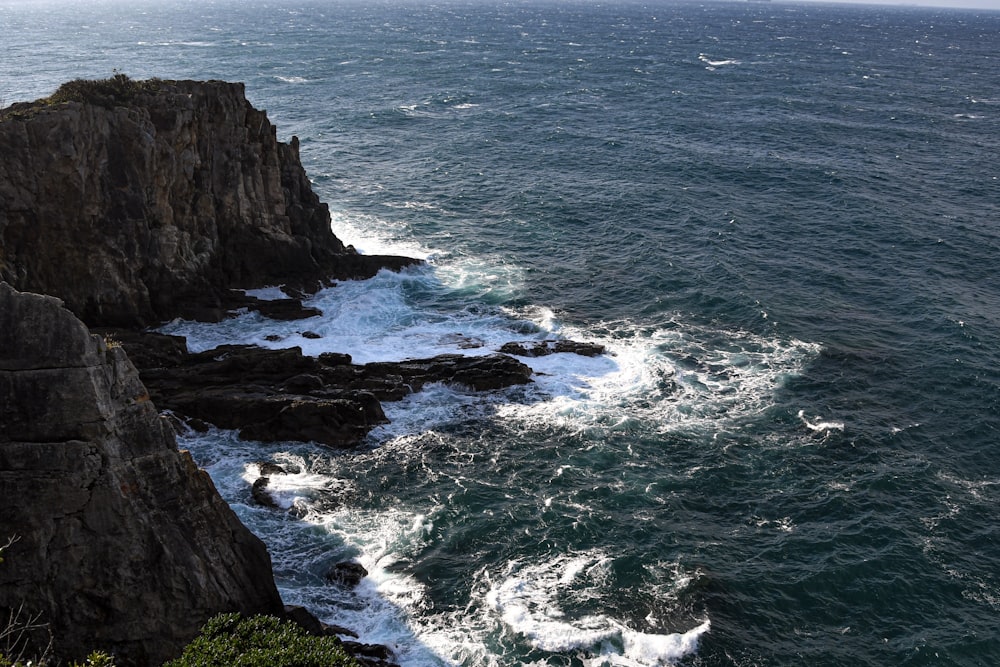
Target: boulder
<point x="347" y="574"/>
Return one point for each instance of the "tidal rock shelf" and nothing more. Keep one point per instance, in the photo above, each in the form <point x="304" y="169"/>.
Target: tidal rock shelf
<point x="283" y="395"/>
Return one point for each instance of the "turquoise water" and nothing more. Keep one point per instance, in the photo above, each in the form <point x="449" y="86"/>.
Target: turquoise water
<point x="780" y="218"/>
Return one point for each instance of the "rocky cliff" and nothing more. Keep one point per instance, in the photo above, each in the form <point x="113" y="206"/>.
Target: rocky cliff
<point x="136" y="202"/>
<point x="124" y="544"/>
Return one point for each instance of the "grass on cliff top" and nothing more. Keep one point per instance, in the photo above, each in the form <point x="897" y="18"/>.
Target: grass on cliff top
<point x="118" y="90"/>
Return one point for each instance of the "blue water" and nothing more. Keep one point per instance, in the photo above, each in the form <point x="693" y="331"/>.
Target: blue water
<point x="782" y="219"/>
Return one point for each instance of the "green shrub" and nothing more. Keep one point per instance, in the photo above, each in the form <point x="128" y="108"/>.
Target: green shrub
<point x="97" y="659"/>
<point x="230" y="640"/>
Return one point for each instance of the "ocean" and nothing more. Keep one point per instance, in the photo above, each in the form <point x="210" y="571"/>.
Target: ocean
<point x="783" y="222"/>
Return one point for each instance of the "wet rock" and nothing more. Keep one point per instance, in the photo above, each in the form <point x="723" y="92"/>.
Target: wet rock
<point x="303" y="383"/>
<point x="260" y="494"/>
<point x="376" y="651"/>
<point x="268" y="468"/>
<point x="546" y="347"/>
<point x="347" y="574"/>
<point x="335" y="359"/>
<point x="276" y="395"/>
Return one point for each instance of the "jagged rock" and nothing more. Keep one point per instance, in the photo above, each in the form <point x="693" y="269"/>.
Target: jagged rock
<point x="303" y="383"/>
<point x="336" y="422"/>
<point x="348" y="574"/>
<point x="268" y="468"/>
<point x="279" y="309"/>
<point x="335" y="359"/>
<point x="125" y="545"/>
<point x="376" y="651"/>
<point x="546" y="347"/>
<point x="159" y="207"/>
<point x="260" y="494"/>
<point x="273" y="395"/>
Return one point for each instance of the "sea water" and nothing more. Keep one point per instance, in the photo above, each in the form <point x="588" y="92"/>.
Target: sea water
<point x="780" y="219"/>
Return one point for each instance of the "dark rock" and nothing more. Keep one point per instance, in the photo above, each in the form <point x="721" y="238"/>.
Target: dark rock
<point x="575" y="347"/>
<point x="304" y="619"/>
<point x="376" y="651"/>
<point x="335" y="422"/>
<point x="283" y="309"/>
<point x="268" y="468"/>
<point x="284" y="395"/>
<point x="338" y="630"/>
<point x="546" y="347"/>
<point x="302" y="383"/>
<point x="520" y="350"/>
<point x="335" y="359"/>
<point x="125" y="545"/>
<point x="139" y="214"/>
<point x="260" y="494"/>
<point x="348" y="574"/>
<point x="311" y="335"/>
<point x="482" y="373"/>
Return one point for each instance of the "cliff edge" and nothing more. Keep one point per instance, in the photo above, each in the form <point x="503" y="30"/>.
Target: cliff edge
<point x="137" y="202"/>
<point x="124" y="544"/>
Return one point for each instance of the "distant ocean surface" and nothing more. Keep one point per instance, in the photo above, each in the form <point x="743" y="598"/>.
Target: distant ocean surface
<point x="783" y="221"/>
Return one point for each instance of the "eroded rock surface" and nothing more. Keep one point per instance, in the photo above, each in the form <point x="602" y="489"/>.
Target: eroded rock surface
<point x="124" y="544"/>
<point x="274" y="395"/>
<point x="156" y="208"/>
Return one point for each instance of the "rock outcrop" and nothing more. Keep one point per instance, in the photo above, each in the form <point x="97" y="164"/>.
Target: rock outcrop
<point x="274" y="395"/>
<point x="124" y="544"/>
<point x="152" y="200"/>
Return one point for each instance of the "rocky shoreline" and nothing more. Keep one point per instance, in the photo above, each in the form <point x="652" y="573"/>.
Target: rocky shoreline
<point x="131" y="203"/>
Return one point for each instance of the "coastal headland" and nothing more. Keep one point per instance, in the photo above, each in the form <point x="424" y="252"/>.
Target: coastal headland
<point x="124" y="204"/>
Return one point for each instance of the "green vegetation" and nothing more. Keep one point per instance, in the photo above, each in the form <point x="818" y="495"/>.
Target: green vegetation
<point x="227" y="640"/>
<point x="230" y="640"/>
<point x="95" y="659"/>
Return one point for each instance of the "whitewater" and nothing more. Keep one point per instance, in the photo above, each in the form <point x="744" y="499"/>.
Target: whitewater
<point x="779" y="219"/>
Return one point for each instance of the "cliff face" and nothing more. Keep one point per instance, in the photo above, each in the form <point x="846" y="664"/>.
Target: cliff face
<point x="125" y="545"/>
<point x="137" y="213"/>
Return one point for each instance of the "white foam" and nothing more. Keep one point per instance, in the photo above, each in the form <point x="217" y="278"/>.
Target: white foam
<point x="371" y="235"/>
<point x="717" y="63"/>
<point x="820" y="426"/>
<point x="671" y="379"/>
<point x="527" y="601"/>
<point x="273" y="293"/>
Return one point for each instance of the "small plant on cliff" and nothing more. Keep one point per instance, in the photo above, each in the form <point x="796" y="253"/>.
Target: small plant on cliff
<point x="231" y="640"/>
